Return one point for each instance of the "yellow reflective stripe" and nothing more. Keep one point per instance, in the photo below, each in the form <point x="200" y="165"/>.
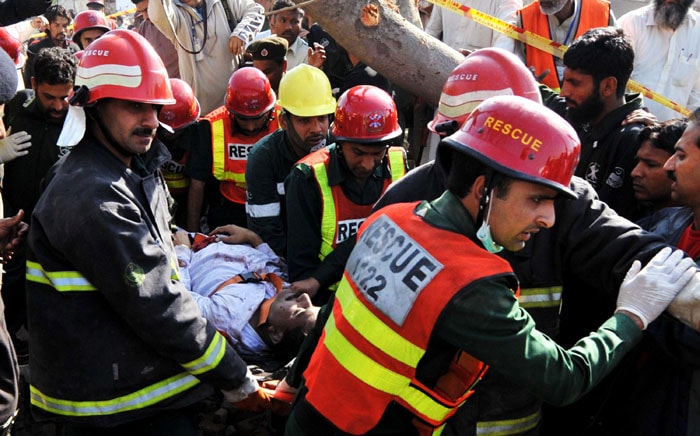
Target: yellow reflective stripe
<point x="509" y="426"/>
<point x="211" y="357"/>
<point x="218" y="149"/>
<point x="328" y="218"/>
<point x="374" y="330"/>
<point x="396" y="164"/>
<point x="180" y="182"/>
<point x="540" y="297"/>
<point x="230" y="176"/>
<point x="62" y="281"/>
<point x="140" y="399"/>
<point x="174" y="270"/>
<point x="373" y="374"/>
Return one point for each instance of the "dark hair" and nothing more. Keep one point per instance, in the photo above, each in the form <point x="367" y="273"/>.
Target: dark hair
<point x="55" y="66"/>
<point x="136" y="1"/>
<point x="57" y="11"/>
<point x="663" y="135"/>
<point x="695" y="119"/>
<point x="464" y="170"/>
<point x="288" y="347"/>
<point x="602" y="52"/>
<point x="281" y="4"/>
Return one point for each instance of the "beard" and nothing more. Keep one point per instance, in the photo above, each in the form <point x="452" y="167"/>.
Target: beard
<point x="551" y="7"/>
<point x="586" y="110"/>
<point x="671" y="15"/>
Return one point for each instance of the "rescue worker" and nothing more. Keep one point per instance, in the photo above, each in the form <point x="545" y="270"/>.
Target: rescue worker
<point x="425" y="307"/>
<point x="269" y="56"/>
<point x="88" y="26"/>
<point x="181" y="117"/>
<point x="561" y="21"/>
<point x="331" y="191"/>
<point x="307" y="102"/>
<point x="12" y="234"/>
<point x="227" y="135"/>
<point x="118" y="345"/>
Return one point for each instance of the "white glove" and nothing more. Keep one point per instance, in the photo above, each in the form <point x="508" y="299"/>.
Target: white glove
<point x="246" y="388"/>
<point x="646" y="292"/>
<point x="14" y="146"/>
<point x="686" y="305"/>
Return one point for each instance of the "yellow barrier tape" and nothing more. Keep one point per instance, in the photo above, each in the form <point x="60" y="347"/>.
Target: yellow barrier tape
<point x="70" y="27"/>
<point x="546" y="45"/>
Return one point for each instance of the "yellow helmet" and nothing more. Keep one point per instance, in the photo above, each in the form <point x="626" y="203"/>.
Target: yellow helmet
<point x="306" y="92"/>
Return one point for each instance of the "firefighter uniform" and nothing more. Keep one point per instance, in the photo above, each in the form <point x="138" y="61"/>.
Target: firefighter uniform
<point x="385" y="363"/>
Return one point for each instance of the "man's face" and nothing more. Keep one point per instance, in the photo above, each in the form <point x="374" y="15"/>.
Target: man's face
<point x="684" y="168"/>
<point x="582" y="96"/>
<point x="670" y="13"/>
<point x="286" y="24"/>
<point x="250" y="126"/>
<point x="305" y="133"/>
<point x="525" y="209"/>
<point x="142" y="8"/>
<point x="89" y="35"/>
<point x="273" y="70"/>
<point x="362" y="159"/>
<point x="132" y="125"/>
<point x="292" y="310"/>
<point x="649" y="179"/>
<point x="551" y="7"/>
<point x="58" y="29"/>
<point x="52" y="100"/>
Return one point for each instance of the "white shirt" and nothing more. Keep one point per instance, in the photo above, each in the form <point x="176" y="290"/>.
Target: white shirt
<point x="297" y="53"/>
<point x="458" y="31"/>
<point x="230" y="309"/>
<point x="665" y="61"/>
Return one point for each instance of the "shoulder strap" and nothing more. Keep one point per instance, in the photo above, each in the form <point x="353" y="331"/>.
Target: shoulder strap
<point x="229" y="15"/>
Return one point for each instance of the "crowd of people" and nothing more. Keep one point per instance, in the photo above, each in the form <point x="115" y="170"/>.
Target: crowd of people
<point x="223" y="187"/>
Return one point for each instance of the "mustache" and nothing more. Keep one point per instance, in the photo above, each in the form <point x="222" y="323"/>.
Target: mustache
<point x="144" y="131"/>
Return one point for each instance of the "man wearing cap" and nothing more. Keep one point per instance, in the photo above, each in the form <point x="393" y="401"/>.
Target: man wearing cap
<point x="330" y="192"/>
<point x="56" y="36"/>
<point x="269" y="56"/>
<point x="285" y="22"/>
<point x="227" y="135"/>
<point x="210" y="38"/>
<point x="12" y="233"/>
<point x="307" y="101"/>
<point x="144" y="354"/>
<point x="425" y="307"/>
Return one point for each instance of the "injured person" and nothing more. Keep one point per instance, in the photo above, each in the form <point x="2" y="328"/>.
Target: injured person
<point x="240" y="286"/>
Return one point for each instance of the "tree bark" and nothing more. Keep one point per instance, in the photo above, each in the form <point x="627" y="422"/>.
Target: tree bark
<point x="397" y="49"/>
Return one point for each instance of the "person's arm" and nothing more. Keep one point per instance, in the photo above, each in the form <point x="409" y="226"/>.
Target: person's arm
<point x="303" y="200"/>
<point x="135" y="276"/>
<point x="486" y="321"/>
<point x="250" y="17"/>
<point x="165" y="16"/>
<point x="199" y="167"/>
<point x="263" y="203"/>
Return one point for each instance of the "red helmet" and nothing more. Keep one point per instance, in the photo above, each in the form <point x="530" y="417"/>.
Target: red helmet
<point x="123" y="65"/>
<point x="12" y="46"/>
<point x="365" y="114"/>
<point x="89" y="19"/>
<point x="521" y="139"/>
<point x="186" y="109"/>
<point x="484" y="73"/>
<point x="249" y="93"/>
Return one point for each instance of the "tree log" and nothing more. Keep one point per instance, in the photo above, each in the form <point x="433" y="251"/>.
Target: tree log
<point x="397" y="49"/>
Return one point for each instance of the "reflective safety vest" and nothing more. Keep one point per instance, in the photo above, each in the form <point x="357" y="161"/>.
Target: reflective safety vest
<point x="594" y="13"/>
<point x="341" y="218"/>
<point x="398" y="279"/>
<point x="174" y="175"/>
<point x="230" y="153"/>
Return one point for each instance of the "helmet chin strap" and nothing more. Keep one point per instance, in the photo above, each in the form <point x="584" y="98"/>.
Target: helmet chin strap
<point x="483" y="232"/>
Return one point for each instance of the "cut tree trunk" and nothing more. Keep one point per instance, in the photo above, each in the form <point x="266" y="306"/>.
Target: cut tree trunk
<point x="399" y="50"/>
